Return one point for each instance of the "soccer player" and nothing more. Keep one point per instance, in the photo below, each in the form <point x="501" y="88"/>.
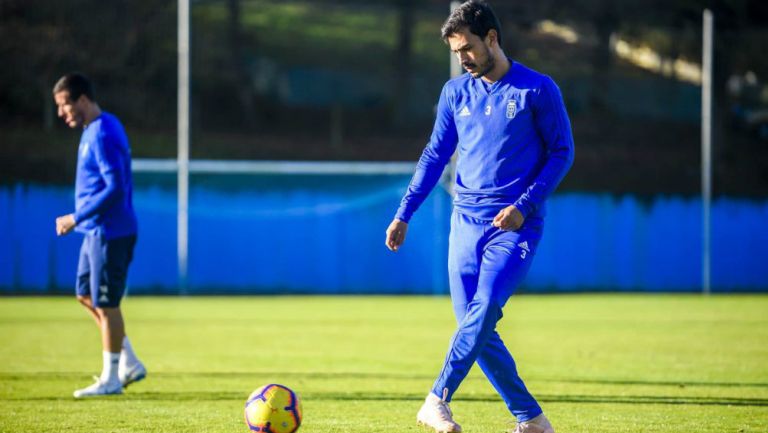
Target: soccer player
<point x="104" y="215"/>
<point x="514" y="147"/>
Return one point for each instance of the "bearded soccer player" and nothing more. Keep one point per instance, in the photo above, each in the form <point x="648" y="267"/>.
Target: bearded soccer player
<point x="104" y="215"/>
<point x="515" y="145"/>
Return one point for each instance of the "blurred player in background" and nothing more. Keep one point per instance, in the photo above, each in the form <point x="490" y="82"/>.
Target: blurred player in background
<point x="104" y="215"/>
<point x="514" y="147"/>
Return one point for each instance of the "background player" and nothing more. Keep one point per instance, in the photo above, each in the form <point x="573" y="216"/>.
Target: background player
<point x="515" y="146"/>
<point x="104" y="214"/>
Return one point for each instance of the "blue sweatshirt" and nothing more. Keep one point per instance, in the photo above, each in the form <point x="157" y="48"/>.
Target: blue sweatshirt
<point x="103" y="184"/>
<point x="514" y="140"/>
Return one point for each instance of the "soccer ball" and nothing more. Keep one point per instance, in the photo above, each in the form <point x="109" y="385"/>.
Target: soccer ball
<point x="273" y="409"/>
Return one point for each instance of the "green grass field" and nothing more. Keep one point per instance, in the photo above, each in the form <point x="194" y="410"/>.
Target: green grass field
<point x="597" y="363"/>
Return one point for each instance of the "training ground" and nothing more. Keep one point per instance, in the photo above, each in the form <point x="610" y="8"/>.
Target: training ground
<point x="597" y="363"/>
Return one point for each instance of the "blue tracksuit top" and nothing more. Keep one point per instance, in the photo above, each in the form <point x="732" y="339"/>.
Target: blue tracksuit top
<point x="514" y="140"/>
<point x="103" y="184"/>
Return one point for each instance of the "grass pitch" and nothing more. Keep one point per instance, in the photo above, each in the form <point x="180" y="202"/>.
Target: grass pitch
<point x="597" y="363"/>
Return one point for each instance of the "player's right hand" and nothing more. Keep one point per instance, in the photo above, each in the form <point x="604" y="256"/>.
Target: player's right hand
<point x="396" y="234"/>
<point x="65" y="224"/>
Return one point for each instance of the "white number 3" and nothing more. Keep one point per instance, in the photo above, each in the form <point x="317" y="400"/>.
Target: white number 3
<point x="523" y="253"/>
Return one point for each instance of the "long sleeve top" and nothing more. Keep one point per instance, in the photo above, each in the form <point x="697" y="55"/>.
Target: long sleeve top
<point x="514" y="145"/>
<point x="103" y="183"/>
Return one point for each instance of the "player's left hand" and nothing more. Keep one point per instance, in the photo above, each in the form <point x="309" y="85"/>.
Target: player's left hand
<point x="509" y="219"/>
<point x="396" y="234"/>
<point x="65" y="224"/>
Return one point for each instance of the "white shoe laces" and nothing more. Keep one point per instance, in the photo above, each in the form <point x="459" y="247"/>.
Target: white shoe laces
<point x="525" y="427"/>
<point x="99" y="383"/>
<point x="518" y="428"/>
<point x="444" y="413"/>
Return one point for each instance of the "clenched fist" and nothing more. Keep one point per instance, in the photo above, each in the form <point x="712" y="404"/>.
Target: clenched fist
<point x="509" y="219"/>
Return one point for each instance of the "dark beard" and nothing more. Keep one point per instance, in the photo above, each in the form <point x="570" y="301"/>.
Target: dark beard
<point x="488" y="66"/>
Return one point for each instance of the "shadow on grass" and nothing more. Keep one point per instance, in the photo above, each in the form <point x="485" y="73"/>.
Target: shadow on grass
<point x="654" y="399"/>
<point x="49" y="375"/>
<point x="564" y="398"/>
<point x="374" y="396"/>
<point x="680" y="384"/>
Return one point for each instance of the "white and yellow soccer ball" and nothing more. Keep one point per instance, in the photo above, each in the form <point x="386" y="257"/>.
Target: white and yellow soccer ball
<point x="273" y="409"/>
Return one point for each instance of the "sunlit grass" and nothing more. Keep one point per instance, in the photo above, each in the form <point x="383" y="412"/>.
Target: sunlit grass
<point x="597" y="363"/>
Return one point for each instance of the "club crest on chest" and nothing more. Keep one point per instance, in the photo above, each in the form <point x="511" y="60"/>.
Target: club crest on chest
<point x="511" y="109"/>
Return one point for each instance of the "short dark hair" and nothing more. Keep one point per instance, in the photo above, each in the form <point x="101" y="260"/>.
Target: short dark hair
<point x="76" y="84"/>
<point x="476" y="15"/>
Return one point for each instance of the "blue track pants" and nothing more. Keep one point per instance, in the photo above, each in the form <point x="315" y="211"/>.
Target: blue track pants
<point x="485" y="266"/>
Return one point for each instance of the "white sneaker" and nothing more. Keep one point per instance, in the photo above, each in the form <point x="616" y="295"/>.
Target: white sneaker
<point x="435" y="413"/>
<point x="540" y="424"/>
<point x="134" y="373"/>
<point x="99" y="388"/>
